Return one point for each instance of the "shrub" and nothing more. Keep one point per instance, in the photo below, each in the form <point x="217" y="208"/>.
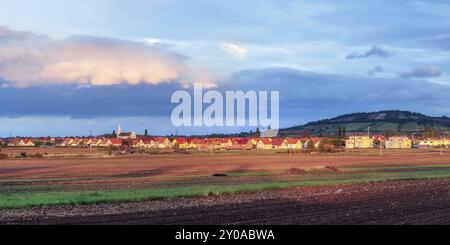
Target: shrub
<point x="219" y="175"/>
<point x="183" y="151"/>
<point x="152" y="151"/>
<point x="310" y="145"/>
<point x="338" y="143"/>
<point x="23" y="154"/>
<point x="37" y="155"/>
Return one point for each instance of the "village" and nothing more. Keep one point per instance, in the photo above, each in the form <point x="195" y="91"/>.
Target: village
<point x="135" y="141"/>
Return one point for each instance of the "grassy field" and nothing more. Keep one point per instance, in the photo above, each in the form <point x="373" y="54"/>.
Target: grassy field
<point x="56" y="181"/>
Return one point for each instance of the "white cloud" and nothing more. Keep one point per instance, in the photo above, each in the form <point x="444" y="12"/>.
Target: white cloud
<point x="153" y="41"/>
<point x="235" y="49"/>
<point x="31" y="60"/>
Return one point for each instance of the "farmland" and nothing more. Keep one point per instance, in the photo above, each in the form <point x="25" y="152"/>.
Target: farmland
<point x="94" y="179"/>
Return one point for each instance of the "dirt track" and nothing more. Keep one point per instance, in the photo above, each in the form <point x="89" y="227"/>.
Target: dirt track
<point x="405" y="202"/>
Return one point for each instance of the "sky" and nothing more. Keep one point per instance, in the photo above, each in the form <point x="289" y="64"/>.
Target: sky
<point x="74" y="67"/>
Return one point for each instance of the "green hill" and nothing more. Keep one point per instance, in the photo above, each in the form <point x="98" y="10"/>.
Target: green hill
<point x="404" y="122"/>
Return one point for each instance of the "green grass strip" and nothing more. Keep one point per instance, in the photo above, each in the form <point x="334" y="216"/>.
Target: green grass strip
<point x="29" y="199"/>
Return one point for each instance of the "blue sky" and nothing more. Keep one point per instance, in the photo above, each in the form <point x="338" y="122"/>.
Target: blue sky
<point x="89" y="65"/>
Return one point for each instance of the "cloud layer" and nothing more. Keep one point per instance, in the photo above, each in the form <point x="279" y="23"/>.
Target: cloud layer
<point x="376" y="69"/>
<point x="423" y="72"/>
<point x="235" y="49"/>
<point x="304" y="96"/>
<point x="373" y="51"/>
<point x="28" y="59"/>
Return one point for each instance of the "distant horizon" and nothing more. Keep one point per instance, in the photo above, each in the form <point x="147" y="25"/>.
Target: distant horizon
<point x="142" y="131"/>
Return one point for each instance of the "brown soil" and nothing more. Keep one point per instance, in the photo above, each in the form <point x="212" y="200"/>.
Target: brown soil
<point x="401" y="202"/>
<point x="135" y="166"/>
<point x="135" y="171"/>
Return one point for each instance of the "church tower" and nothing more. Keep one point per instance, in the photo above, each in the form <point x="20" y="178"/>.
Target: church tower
<point x="119" y="131"/>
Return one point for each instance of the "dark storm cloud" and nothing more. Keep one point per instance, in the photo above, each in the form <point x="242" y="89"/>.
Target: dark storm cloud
<point x="304" y="96"/>
<point x="68" y="100"/>
<point x="309" y="96"/>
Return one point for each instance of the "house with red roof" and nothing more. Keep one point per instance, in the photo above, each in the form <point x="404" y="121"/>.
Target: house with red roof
<point x="380" y="138"/>
<point x="180" y="142"/>
<point x="225" y="142"/>
<point x="255" y="141"/>
<point x="294" y="143"/>
<point x="244" y="143"/>
<point x="196" y="143"/>
<point x="316" y="141"/>
<point x="162" y="142"/>
<point x="264" y="144"/>
<point x="77" y="142"/>
<point x="278" y="143"/>
<point x="211" y="141"/>
<point x="105" y="143"/>
<point x="27" y="143"/>
<point x="143" y="143"/>
<point x="241" y="141"/>
<point x="21" y="143"/>
<point x="67" y="142"/>
<point x="95" y="142"/>
<point x="87" y="141"/>
<point x="137" y="143"/>
<point x="148" y="142"/>
<point x="116" y="142"/>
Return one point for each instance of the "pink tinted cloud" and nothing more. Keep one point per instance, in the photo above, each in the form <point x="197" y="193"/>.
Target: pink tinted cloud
<point x="29" y="60"/>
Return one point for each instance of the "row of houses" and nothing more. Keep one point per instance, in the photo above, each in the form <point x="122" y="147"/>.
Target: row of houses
<point x="194" y="143"/>
<point x="395" y="142"/>
<point x="353" y="142"/>
<point x="434" y="142"/>
<point x="29" y="142"/>
<point x="21" y="143"/>
<point x="94" y="142"/>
